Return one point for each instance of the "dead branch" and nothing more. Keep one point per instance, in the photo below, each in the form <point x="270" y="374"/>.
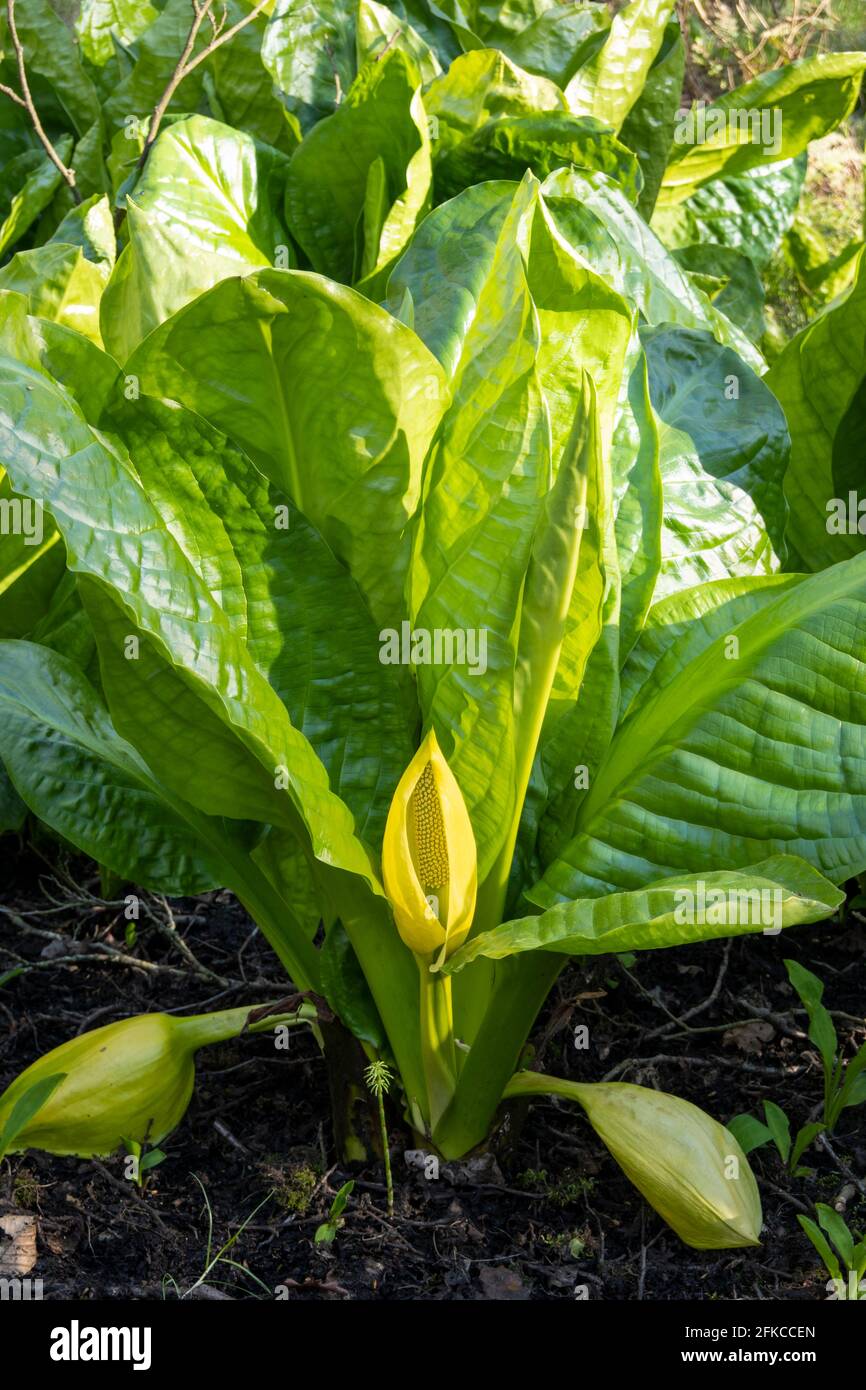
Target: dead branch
<point x="26" y="100"/>
<point x="188" y="61"/>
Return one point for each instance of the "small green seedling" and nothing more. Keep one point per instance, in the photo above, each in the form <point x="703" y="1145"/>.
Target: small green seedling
<point x="378" y="1076"/>
<point x="138" y="1162"/>
<point x="327" y="1232"/>
<point x="844" y="1085"/>
<point x="851" y="1249"/>
<point x="751" y="1134"/>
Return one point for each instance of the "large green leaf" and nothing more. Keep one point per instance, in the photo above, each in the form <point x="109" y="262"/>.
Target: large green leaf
<point x="62" y="354"/>
<point x="518" y="320"/>
<point x="77" y="775"/>
<point x="32" y="562"/>
<point x="505" y="147"/>
<point x="782" y="891"/>
<point x="275" y="580"/>
<point x="820" y="380"/>
<point x="557" y="40"/>
<point x="612" y="81"/>
<point x="478" y="87"/>
<point x="207" y="206"/>
<point x="379" y="29"/>
<point x="773" y="117"/>
<point x="453" y="264"/>
<point x="723" y="451"/>
<point x="90" y="226"/>
<point x="380" y="131"/>
<point x="59" y="282"/>
<point x="188" y="693"/>
<point x="28" y="182"/>
<point x="241" y="91"/>
<point x="602" y="226"/>
<point x="309" y="50"/>
<point x="638" y="497"/>
<point x="483" y="493"/>
<point x="333" y="399"/>
<point x="678" y="628"/>
<point x="100" y="22"/>
<point x="649" y="127"/>
<point x="740" y="295"/>
<point x="750" y="213"/>
<point x="750" y="745"/>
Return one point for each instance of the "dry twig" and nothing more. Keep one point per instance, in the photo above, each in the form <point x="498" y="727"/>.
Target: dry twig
<point x="25" y="99"/>
<point x="188" y="61"/>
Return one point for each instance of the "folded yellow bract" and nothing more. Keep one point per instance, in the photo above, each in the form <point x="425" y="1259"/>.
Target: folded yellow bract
<point x="687" y="1165"/>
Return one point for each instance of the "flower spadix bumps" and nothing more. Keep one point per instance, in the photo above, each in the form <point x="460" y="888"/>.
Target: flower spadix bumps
<point x="429" y="861"/>
<point x="130" y="1080"/>
<point x="687" y="1166"/>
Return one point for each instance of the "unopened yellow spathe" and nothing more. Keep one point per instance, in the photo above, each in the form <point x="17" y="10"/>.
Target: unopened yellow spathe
<point x="429" y="862"/>
<point x="687" y="1165"/>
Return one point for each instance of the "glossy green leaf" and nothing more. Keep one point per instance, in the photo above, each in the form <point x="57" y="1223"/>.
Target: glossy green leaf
<point x="820" y="382"/>
<point x="241" y="91"/>
<point x="750" y="213"/>
<point x="60" y="353"/>
<point x="156" y="53"/>
<point x="379" y="29"/>
<point x="612" y="81"/>
<point x="773" y="117"/>
<point x="740" y="294"/>
<point x="505" y="147"/>
<point x="77" y="775"/>
<point x="309" y="50"/>
<point x="59" y="283"/>
<point x="782" y="891"/>
<point x="28" y="182"/>
<point x="207" y="206"/>
<point x="649" y="127"/>
<point x="237" y="355"/>
<point x="603" y="227"/>
<point x="32" y="562"/>
<point x="699" y="776"/>
<point x="90" y="226"/>
<point x="273" y="576"/>
<point x="100" y="22"/>
<point x="680" y="627"/>
<point x="49" y="54"/>
<point x="557" y="40"/>
<point x="723" y="451"/>
<point x="382" y="118"/>
<point x="228" y="745"/>
<point x="479" y="87"/>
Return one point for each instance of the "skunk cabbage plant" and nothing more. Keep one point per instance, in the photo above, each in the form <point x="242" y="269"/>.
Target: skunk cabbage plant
<point x="415" y="555"/>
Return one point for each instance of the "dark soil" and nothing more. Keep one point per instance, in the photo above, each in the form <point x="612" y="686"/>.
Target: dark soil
<point x="538" y="1219"/>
